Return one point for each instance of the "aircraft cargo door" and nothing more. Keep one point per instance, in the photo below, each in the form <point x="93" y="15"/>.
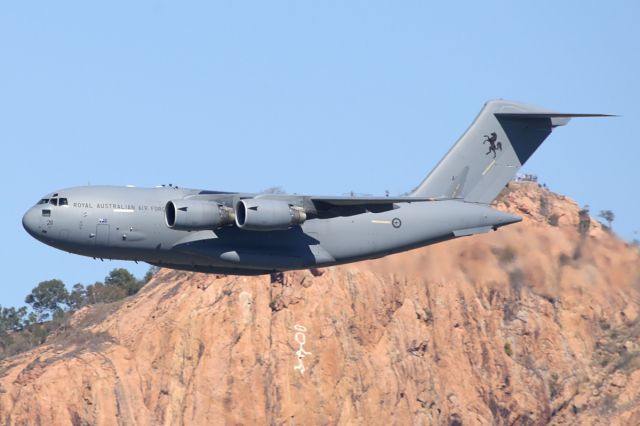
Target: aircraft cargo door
<point x="102" y="234"/>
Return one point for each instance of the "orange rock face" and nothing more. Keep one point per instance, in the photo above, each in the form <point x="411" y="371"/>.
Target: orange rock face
<point x="528" y="325"/>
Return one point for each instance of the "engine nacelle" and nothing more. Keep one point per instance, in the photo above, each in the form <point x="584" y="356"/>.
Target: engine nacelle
<point x="195" y="215"/>
<point x="255" y="214"/>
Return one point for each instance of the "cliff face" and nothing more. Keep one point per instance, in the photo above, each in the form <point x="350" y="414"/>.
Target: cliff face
<point x="527" y="325"/>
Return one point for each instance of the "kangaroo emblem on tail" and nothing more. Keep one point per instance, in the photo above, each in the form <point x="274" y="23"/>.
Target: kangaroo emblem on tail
<point x="494" y="143"/>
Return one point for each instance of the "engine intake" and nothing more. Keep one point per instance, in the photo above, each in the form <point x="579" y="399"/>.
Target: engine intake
<point x="268" y="215"/>
<point x="195" y="215"/>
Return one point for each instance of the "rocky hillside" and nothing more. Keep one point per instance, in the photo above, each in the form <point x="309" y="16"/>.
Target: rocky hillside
<point x="528" y="325"/>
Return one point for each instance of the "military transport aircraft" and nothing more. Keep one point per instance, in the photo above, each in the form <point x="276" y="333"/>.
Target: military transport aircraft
<point x="251" y="234"/>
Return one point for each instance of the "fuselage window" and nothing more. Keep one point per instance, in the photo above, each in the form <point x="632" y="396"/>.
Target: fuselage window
<point x="54" y="201"/>
<point x="63" y="202"/>
<point x="46" y="213"/>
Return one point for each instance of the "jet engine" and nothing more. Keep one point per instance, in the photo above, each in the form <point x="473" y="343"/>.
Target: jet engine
<point x="195" y="215"/>
<point x="255" y="214"/>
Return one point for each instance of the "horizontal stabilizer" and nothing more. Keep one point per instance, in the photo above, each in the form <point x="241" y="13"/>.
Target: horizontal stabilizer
<point x="557" y="118"/>
<point x="551" y="115"/>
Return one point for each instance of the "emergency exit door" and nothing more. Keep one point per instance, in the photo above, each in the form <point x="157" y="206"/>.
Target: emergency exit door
<point x="102" y="234"/>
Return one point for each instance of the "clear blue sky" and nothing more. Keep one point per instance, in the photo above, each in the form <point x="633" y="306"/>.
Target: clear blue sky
<point x="317" y="97"/>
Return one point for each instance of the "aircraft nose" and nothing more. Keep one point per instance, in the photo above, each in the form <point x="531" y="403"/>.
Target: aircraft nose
<point x="30" y="222"/>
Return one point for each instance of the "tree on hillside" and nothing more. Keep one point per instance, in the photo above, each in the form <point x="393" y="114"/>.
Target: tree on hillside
<point x="153" y="270"/>
<point x="607" y="215"/>
<point x="12" y="319"/>
<point x="101" y="293"/>
<point x="123" y="279"/>
<point x="48" y="298"/>
<point x="584" y="221"/>
<point x="77" y="297"/>
<point x="119" y="284"/>
<point x="22" y="329"/>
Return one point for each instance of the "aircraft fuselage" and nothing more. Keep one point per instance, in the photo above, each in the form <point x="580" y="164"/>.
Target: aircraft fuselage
<point x="241" y="233"/>
<point x="129" y="223"/>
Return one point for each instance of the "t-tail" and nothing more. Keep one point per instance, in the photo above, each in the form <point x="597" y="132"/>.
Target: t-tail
<point x="488" y="155"/>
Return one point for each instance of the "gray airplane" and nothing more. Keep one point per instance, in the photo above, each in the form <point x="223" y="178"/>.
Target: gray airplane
<point x="252" y="234"/>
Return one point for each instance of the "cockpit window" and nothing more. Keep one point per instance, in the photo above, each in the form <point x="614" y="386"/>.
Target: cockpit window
<point x="63" y="202"/>
<point x="44" y="201"/>
<point x="54" y="201"/>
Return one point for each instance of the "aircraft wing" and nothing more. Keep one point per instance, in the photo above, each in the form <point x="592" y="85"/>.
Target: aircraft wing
<point x="366" y="201"/>
<point x="327" y="207"/>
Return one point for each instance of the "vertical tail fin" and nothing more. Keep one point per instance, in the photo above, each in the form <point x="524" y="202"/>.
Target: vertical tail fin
<point x="500" y="140"/>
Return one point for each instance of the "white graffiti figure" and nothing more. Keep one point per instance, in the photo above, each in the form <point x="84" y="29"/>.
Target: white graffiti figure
<point x="301" y="339"/>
